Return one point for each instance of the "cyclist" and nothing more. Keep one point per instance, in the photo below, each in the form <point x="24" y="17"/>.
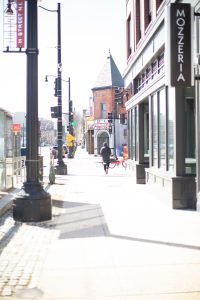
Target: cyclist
<point x="105" y="154"/>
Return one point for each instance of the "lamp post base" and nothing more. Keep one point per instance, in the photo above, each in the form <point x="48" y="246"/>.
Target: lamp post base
<point x="32" y="204"/>
<point x="61" y="168"/>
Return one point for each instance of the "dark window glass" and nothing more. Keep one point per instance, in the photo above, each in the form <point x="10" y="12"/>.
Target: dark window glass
<point x="162" y="129"/>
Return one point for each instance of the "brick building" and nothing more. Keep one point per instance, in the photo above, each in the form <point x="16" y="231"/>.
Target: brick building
<point x="109" y="85"/>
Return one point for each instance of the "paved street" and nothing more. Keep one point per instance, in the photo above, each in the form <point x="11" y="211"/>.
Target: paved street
<point x="109" y="239"/>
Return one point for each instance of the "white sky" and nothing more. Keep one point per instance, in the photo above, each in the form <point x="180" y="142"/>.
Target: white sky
<point x="89" y="29"/>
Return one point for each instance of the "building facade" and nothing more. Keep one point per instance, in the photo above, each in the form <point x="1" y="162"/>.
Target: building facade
<point x="110" y="119"/>
<point x="162" y="117"/>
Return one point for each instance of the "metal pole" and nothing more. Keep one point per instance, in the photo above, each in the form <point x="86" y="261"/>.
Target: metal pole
<point x="69" y="92"/>
<point x="114" y="129"/>
<point x="61" y="168"/>
<point x="69" y="103"/>
<point x="32" y="203"/>
<point x="23" y="135"/>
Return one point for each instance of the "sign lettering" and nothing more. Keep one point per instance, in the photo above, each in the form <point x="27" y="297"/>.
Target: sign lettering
<point x="20" y="24"/>
<point x="180" y="50"/>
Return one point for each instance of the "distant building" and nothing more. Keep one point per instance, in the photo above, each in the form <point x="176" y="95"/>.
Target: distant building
<point x="108" y="84"/>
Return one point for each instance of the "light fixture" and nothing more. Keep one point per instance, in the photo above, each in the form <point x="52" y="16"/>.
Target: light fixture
<point x="9" y="10"/>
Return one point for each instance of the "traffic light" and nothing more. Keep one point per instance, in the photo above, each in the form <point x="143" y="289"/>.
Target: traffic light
<point x="71" y="117"/>
<point x="68" y="128"/>
<point x="56" y="87"/>
<point x="122" y="118"/>
<point x="110" y="129"/>
<point x="110" y="117"/>
<point x="70" y="106"/>
<point x="118" y="96"/>
<point x="54" y="111"/>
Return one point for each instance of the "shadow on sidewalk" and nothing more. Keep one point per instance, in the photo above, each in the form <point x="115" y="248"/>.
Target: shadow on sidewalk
<point x="84" y="220"/>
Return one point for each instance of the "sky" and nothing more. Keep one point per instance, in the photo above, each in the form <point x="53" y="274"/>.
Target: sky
<point x="89" y="30"/>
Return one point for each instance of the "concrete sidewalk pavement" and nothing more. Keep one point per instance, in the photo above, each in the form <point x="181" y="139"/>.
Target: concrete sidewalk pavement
<point x="109" y="239"/>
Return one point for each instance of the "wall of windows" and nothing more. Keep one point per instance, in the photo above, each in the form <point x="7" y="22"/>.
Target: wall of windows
<point x="149" y="73"/>
<point x="158" y="146"/>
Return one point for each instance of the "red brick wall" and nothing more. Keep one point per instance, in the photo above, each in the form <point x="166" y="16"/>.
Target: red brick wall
<point x="105" y="96"/>
<point x="102" y="96"/>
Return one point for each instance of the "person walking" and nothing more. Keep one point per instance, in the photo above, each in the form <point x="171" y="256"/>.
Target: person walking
<point x="105" y="154"/>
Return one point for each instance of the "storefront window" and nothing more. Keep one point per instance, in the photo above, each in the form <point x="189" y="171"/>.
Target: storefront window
<point x="162" y="129"/>
<point x="133" y="134"/>
<point x="136" y="134"/>
<point x="146" y="131"/>
<point x="170" y="123"/>
<point x="129" y="134"/>
<point x="189" y="123"/>
<point x="154" y="130"/>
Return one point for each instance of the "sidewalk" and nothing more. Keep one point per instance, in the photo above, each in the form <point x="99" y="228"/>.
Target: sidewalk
<point x="109" y="239"/>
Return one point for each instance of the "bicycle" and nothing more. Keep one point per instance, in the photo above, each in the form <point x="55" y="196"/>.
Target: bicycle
<point x="116" y="162"/>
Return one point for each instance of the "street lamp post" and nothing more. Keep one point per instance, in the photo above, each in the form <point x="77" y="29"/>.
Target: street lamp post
<point x="32" y="203"/>
<point x="61" y="168"/>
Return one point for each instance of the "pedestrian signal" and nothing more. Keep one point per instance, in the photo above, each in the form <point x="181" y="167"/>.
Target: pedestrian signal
<point x="54" y="111"/>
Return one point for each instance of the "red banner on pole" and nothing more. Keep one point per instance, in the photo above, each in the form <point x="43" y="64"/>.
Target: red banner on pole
<point x="20" y="23"/>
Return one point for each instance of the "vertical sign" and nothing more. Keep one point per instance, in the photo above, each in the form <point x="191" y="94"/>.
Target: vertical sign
<point x="181" y="45"/>
<point x="14" y="25"/>
<point x="20" y="24"/>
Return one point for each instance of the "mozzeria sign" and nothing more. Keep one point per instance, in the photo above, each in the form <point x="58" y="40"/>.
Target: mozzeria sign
<point x="180" y="45"/>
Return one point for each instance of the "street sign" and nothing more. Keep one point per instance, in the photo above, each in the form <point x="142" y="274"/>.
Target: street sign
<point x="16" y="128"/>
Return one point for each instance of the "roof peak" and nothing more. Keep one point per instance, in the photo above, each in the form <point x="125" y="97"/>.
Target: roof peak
<point x="109" y="75"/>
